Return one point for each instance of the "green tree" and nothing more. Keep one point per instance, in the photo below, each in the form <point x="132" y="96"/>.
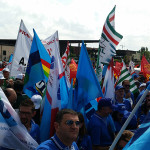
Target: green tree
<point x="144" y="51"/>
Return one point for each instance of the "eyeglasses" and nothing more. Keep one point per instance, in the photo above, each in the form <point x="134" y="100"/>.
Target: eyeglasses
<point x="71" y="122"/>
<point x="127" y="85"/>
<point x="25" y="113"/>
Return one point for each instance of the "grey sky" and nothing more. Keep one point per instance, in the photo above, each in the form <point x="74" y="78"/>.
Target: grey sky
<point x="77" y="19"/>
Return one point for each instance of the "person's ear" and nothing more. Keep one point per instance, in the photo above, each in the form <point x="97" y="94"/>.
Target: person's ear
<point x="34" y="113"/>
<point x="56" y="125"/>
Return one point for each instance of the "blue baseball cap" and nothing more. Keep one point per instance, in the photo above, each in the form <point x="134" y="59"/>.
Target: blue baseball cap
<point x="105" y="102"/>
<point x="121" y="108"/>
<point x="118" y="87"/>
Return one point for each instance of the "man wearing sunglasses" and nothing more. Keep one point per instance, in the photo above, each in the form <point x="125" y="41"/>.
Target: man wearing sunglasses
<point x="67" y="129"/>
<point x="127" y="93"/>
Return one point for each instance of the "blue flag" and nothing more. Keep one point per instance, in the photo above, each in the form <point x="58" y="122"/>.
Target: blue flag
<point x="35" y="72"/>
<point x="141" y="139"/>
<point x="87" y="87"/>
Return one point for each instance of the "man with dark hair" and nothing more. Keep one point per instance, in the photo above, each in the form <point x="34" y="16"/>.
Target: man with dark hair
<point x="18" y="87"/>
<point x="101" y="127"/>
<point x="26" y="113"/>
<point x="127" y="93"/>
<point x="67" y="129"/>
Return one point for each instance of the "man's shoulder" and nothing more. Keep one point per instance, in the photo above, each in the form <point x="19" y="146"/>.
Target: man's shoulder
<point x="47" y="145"/>
<point x="126" y="100"/>
<point x="95" y="119"/>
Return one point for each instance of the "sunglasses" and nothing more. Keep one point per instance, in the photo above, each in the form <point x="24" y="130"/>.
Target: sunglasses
<point x="71" y="122"/>
<point x="25" y="113"/>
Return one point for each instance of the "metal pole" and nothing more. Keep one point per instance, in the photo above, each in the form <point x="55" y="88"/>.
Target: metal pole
<point x="129" y="118"/>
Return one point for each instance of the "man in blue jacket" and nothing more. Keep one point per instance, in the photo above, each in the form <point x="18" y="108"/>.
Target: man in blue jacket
<point x="67" y="129"/>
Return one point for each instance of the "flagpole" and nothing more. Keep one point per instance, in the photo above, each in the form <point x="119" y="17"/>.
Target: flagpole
<point x="129" y="118"/>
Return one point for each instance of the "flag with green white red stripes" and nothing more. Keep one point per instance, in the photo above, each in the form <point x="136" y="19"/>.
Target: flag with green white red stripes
<point x="110" y="38"/>
<point x="108" y="42"/>
<point x="125" y="75"/>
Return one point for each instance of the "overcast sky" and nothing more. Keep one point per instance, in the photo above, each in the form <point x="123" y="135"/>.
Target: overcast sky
<point x="78" y="19"/>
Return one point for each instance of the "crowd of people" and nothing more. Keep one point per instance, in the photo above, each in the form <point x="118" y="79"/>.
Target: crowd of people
<point x="71" y="130"/>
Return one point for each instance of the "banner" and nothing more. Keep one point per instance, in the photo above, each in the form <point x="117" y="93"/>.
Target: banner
<point x="21" y="52"/>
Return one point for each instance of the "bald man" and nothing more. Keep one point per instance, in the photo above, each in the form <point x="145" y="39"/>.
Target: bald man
<point x="11" y="95"/>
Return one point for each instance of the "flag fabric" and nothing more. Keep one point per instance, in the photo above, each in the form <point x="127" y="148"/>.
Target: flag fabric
<point x="21" y="51"/>
<point x="117" y="69"/>
<point x="110" y="38"/>
<point x="57" y="92"/>
<point x="140" y="140"/>
<point x="125" y="75"/>
<point x="10" y="61"/>
<point x="108" y="85"/>
<point x="88" y="87"/>
<point x="65" y="62"/>
<point x="99" y="67"/>
<point x="13" y="134"/>
<point x="145" y="68"/>
<point x="70" y="97"/>
<point x="64" y="58"/>
<point x="73" y="70"/>
<point x="131" y="67"/>
<point x="35" y="70"/>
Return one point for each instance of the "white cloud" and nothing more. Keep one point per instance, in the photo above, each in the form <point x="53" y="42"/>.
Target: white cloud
<point x="77" y="19"/>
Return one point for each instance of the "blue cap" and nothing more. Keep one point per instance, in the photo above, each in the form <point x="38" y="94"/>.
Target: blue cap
<point x="118" y="87"/>
<point x="105" y="102"/>
<point x="121" y="108"/>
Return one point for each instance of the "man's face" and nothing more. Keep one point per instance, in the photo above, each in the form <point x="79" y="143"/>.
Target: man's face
<point x="6" y="74"/>
<point x="25" y="114"/>
<point x="126" y="85"/>
<point x="120" y="93"/>
<point x="68" y="132"/>
<point x="106" y="111"/>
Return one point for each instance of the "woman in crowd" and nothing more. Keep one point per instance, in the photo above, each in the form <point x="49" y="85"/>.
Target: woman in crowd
<point x="83" y="140"/>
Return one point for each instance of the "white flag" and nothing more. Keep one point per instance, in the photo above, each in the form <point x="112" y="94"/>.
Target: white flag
<point x="13" y="135"/>
<point x="21" y="52"/>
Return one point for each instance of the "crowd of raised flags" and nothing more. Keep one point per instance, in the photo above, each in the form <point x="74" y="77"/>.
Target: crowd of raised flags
<point x="61" y="82"/>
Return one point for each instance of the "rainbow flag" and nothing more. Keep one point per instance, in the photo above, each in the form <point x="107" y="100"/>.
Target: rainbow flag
<point x="38" y="66"/>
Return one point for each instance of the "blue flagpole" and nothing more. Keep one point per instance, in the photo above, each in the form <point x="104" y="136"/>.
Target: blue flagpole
<point x="129" y="118"/>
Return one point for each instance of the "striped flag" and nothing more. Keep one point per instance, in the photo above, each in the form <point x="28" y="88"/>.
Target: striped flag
<point x="65" y="62"/>
<point x="125" y="75"/>
<point x="109" y="39"/>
